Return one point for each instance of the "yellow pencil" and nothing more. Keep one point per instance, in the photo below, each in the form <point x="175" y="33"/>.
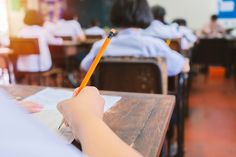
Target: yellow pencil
<point x="93" y="65"/>
<point x="95" y="62"/>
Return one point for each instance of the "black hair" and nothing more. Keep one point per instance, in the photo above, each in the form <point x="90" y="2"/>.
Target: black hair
<point x="68" y="15"/>
<point x="180" y="22"/>
<point x="131" y="13"/>
<point x="159" y="13"/>
<point x="214" y="17"/>
<point x="33" y="17"/>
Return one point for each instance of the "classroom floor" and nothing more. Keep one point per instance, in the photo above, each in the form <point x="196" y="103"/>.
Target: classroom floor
<point x="211" y="127"/>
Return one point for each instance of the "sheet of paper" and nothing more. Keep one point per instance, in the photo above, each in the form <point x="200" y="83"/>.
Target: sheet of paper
<point x="50" y="116"/>
<point x="50" y="97"/>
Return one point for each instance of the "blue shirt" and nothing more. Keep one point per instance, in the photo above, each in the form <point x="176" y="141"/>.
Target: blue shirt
<point x="22" y="136"/>
<point x="131" y="42"/>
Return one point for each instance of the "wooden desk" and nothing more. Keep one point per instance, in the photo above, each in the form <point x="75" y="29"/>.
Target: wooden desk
<point x="141" y="120"/>
<point x="5" y="51"/>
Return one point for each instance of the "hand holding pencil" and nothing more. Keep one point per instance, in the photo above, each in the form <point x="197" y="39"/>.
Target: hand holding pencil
<point x="94" y="65"/>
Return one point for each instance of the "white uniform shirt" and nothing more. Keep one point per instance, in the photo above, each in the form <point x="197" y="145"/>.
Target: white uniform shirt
<point x="68" y="28"/>
<point x="95" y="31"/>
<point x="49" y="26"/>
<point x="30" y="63"/>
<point x="188" y="37"/>
<point x="162" y="31"/>
<point x="131" y="42"/>
<point x="23" y="136"/>
<point x="212" y="30"/>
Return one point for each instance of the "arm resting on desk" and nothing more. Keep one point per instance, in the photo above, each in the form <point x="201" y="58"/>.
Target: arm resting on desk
<point x="84" y="115"/>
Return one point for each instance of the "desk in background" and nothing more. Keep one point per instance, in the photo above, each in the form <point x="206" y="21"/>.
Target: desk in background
<point x="140" y="120"/>
<point x="60" y="53"/>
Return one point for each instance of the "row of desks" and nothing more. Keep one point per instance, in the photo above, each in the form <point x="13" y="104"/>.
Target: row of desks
<point x="141" y="120"/>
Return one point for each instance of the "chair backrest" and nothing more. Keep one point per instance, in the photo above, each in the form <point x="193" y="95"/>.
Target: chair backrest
<point x="211" y="52"/>
<point x="25" y="46"/>
<point x="98" y="37"/>
<point x="58" y="55"/>
<point x="65" y="38"/>
<point x="132" y="74"/>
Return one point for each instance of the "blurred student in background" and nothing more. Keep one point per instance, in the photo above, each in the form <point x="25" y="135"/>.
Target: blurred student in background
<point x="213" y="29"/>
<point x="159" y="28"/>
<point x="188" y="37"/>
<point x="131" y="16"/>
<point x="69" y="27"/>
<point x="33" y="29"/>
<point x="95" y="30"/>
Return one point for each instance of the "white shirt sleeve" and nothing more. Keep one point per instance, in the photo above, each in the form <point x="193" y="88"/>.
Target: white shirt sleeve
<point x="78" y="29"/>
<point x="22" y="136"/>
<point x="87" y="61"/>
<point x="175" y="61"/>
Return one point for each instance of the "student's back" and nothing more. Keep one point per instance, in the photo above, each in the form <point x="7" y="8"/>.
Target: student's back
<point x="163" y="31"/>
<point x="29" y="63"/>
<point x="34" y="29"/>
<point x="68" y="26"/>
<point x="159" y="28"/>
<point x="131" y="42"/>
<point x="95" y="30"/>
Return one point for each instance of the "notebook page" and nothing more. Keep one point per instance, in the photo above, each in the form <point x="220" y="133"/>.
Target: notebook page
<point x="51" y="117"/>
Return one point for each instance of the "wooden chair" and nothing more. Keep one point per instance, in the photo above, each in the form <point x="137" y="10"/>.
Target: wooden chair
<point x="30" y="46"/>
<point x="132" y="74"/>
<point x="59" y="56"/>
<point x="65" y="38"/>
<point x="94" y="37"/>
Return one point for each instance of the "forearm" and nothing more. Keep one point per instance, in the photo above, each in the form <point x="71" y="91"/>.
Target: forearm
<point x="81" y="38"/>
<point x="98" y="139"/>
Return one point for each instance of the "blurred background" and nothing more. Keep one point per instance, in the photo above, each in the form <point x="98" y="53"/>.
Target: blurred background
<point x="202" y="31"/>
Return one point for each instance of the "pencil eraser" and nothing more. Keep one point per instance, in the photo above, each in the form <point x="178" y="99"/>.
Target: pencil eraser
<point x="113" y="31"/>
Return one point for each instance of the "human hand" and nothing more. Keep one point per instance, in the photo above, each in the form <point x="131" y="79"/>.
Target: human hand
<point x="88" y="103"/>
<point x="31" y="107"/>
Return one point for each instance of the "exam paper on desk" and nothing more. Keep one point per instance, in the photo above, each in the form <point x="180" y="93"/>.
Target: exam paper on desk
<point x="50" y="116"/>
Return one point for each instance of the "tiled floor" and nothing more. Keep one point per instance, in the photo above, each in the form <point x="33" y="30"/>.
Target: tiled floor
<point x="211" y="127"/>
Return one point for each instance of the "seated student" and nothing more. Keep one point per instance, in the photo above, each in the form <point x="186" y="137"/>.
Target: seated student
<point x="68" y="26"/>
<point x="188" y="37"/>
<point x="213" y="29"/>
<point x="159" y="28"/>
<point x="130" y="41"/>
<point x="33" y="29"/>
<point x="22" y="136"/>
<point x="95" y="29"/>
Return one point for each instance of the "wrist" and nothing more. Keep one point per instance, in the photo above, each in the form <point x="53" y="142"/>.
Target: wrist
<point x="81" y="122"/>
